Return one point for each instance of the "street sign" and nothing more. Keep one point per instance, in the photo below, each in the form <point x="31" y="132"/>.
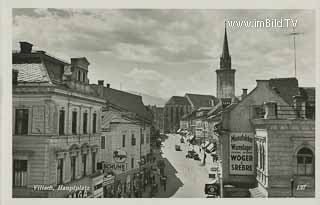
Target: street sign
<point x="211" y="189"/>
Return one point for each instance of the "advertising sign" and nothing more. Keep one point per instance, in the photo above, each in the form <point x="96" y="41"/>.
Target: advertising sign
<point x="241" y="154"/>
<point x="211" y="189"/>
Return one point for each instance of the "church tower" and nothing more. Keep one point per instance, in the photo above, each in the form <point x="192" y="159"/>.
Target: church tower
<point x="225" y="75"/>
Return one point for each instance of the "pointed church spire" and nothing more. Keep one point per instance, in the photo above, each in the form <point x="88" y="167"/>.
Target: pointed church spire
<point x="225" y="51"/>
<point x="225" y="60"/>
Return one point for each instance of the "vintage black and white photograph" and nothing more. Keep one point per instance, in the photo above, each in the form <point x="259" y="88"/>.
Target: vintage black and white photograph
<point x="163" y="103"/>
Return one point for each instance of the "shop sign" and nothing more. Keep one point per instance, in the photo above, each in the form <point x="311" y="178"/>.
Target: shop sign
<point x="143" y="160"/>
<point x="107" y="180"/>
<point x="119" y="156"/>
<point x="116" y="167"/>
<point x="211" y="189"/>
<point x="301" y="187"/>
<point x="78" y="194"/>
<point x="241" y="155"/>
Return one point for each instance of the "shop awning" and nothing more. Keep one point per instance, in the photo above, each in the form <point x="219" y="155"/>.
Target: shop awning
<point x="215" y="181"/>
<point x="210" y="148"/>
<point x="191" y="137"/>
<point x="205" y="144"/>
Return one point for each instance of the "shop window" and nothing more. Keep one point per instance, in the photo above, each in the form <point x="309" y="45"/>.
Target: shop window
<point x="94" y="123"/>
<point x="73" y="167"/>
<point x="60" y="171"/>
<point x="103" y="142"/>
<point x="74" y="122"/>
<point x="21" y="122"/>
<point x="305" y="161"/>
<point x="61" y="122"/>
<point x="85" y="123"/>
<point x="20" y="168"/>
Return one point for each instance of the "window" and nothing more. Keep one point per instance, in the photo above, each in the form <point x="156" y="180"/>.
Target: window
<point x="79" y="75"/>
<point x="85" y="123"/>
<point x="61" y="122"/>
<point x="20" y="168"/>
<point x="73" y="168"/>
<point x="84" y="164"/>
<point x="133" y="140"/>
<point x="147" y="139"/>
<point x="60" y="171"/>
<point x="305" y="162"/>
<point x="21" y="126"/>
<point x="103" y="142"/>
<point x="132" y="163"/>
<point x="93" y="155"/>
<point x="74" y="122"/>
<point x="142" y="138"/>
<point x="123" y="140"/>
<point x="94" y="123"/>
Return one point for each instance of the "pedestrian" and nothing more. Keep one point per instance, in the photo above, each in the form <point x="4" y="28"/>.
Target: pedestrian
<point x="200" y="149"/>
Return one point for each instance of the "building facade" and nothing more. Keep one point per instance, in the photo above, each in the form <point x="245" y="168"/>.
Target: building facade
<point x="174" y="109"/>
<point x="238" y="131"/>
<point x="56" y="124"/>
<point x="125" y="142"/>
<point x="285" y="150"/>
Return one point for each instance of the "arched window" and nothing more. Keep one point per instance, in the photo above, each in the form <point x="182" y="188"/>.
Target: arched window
<point x="305" y="162"/>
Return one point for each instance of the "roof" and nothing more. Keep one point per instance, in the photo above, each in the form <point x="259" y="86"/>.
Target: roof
<point x="32" y="73"/>
<point x="197" y="100"/>
<point x="178" y="100"/>
<point x="127" y="101"/>
<point x="285" y="87"/>
<point x="309" y="93"/>
<point x="111" y="116"/>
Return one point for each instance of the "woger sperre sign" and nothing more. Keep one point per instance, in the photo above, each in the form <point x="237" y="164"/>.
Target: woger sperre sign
<point x="241" y="154"/>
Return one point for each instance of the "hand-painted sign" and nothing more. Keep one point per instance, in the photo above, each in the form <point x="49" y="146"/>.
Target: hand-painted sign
<point x="120" y="156"/>
<point x="241" y="154"/>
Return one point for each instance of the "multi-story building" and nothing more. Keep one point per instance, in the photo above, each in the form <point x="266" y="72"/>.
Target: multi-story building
<point x="240" y="128"/>
<point x="158" y="120"/>
<point x="285" y="147"/>
<point x="177" y="107"/>
<point x="56" y="125"/>
<point x="125" y="141"/>
<point x="174" y="109"/>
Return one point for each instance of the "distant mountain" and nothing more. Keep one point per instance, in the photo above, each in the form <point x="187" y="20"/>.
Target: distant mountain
<point x="150" y="100"/>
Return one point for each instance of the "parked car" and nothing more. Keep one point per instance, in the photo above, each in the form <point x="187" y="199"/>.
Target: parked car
<point x="190" y="154"/>
<point x="177" y="147"/>
<point x="196" y="156"/>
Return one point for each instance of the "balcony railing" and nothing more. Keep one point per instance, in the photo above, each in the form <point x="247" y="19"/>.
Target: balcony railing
<point x="282" y="112"/>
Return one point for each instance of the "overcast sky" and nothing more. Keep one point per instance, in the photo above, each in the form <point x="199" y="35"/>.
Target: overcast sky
<point x="171" y="52"/>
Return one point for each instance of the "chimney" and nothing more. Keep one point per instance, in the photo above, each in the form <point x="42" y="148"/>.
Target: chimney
<point x="244" y="93"/>
<point x="100" y="88"/>
<point x="270" y="110"/>
<point x="25" y="47"/>
<point x="108" y="85"/>
<point x="100" y="82"/>
<point x="299" y="105"/>
<point x="15" y="77"/>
